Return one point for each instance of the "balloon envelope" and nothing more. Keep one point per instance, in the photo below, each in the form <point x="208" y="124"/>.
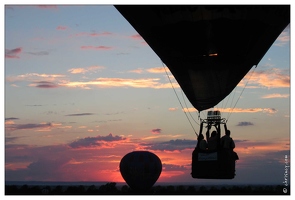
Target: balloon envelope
<point x="208" y="48"/>
<point x="140" y="169"/>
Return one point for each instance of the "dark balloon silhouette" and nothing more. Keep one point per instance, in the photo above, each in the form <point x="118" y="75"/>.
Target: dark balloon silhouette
<point x="208" y="48"/>
<point x="140" y="169"/>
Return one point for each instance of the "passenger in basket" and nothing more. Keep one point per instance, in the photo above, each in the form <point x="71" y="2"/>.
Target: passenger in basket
<point x="212" y="141"/>
<point x="227" y="142"/>
<point x="202" y="144"/>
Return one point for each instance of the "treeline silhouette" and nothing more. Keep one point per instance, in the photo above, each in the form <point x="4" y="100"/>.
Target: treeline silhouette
<point x="112" y="189"/>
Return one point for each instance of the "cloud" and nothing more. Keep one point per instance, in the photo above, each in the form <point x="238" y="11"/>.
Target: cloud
<point x="105" y="33"/>
<point x="58" y="80"/>
<point x="24" y="162"/>
<point x="77" y="71"/>
<point x="253" y="167"/>
<point x="273" y="78"/>
<point x="270" y="110"/>
<point x="139" y="38"/>
<point x="47" y="166"/>
<point x="40" y="53"/>
<point x="100" y="163"/>
<point x="120" y="82"/>
<point x="13" y="127"/>
<point x="11" y="118"/>
<point x="158" y="70"/>
<point x="79" y="114"/>
<point x="154" y="70"/>
<point x="189" y="110"/>
<point x="28" y="162"/>
<point x="10" y="139"/>
<point x="34" y="77"/>
<point x="248" y="146"/>
<point x="173" y="109"/>
<point x="8" y="122"/>
<point x="44" y="84"/>
<point x="90" y="142"/>
<point x="136" y="37"/>
<point x="172" y="145"/>
<point x="242" y="110"/>
<point x="172" y="167"/>
<point x="62" y="28"/>
<point x="137" y="71"/>
<point x="96" y="47"/>
<point x="238" y="110"/>
<point x="284" y="38"/>
<point x="245" y="124"/>
<point x="85" y="70"/>
<point x="156" y="131"/>
<point x="13" y="53"/>
<point x="271" y="96"/>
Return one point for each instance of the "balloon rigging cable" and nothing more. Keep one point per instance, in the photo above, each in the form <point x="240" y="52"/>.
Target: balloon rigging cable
<point x="180" y="101"/>
<point x="241" y="94"/>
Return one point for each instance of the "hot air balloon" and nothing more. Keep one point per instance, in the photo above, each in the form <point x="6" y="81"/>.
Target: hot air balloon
<point x="208" y="49"/>
<point x="140" y="170"/>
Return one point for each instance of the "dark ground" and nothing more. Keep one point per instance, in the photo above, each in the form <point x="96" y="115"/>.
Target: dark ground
<point x="113" y="189"/>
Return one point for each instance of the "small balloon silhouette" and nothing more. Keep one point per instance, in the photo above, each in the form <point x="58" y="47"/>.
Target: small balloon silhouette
<point x="140" y="169"/>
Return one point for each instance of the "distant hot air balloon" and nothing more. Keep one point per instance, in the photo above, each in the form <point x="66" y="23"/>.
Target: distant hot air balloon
<point x="208" y="48"/>
<point x="140" y="170"/>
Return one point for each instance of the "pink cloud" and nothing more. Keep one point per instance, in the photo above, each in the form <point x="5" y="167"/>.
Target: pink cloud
<point x="85" y="70"/>
<point x="105" y="33"/>
<point x="34" y="77"/>
<point x="273" y="78"/>
<point x="96" y="47"/>
<point x="136" y="37"/>
<point x="13" y="53"/>
<point x="120" y="82"/>
<point x="61" y="28"/>
<point x="283" y="39"/>
<point x="137" y="71"/>
<point x="100" y="34"/>
<point x="157" y="70"/>
<point x="270" y="96"/>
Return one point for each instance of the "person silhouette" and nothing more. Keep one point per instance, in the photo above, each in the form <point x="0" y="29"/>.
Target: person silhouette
<point x="202" y="143"/>
<point x="212" y="141"/>
<point x="227" y="142"/>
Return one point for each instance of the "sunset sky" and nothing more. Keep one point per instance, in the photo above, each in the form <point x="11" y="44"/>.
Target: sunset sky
<point x="83" y="89"/>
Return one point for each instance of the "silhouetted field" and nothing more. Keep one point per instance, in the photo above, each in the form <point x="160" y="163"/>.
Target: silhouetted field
<point x="113" y="189"/>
